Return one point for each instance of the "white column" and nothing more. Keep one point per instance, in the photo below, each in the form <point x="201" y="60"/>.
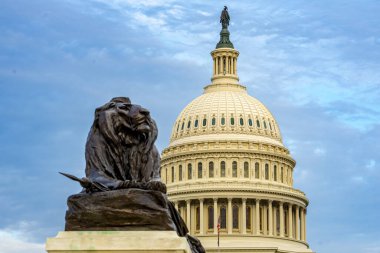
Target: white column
<point x="304" y="224"/>
<point x="229" y="213"/>
<point x="257" y="220"/>
<point x="281" y="219"/>
<point x="275" y="221"/>
<point x="270" y="213"/>
<point x="188" y="214"/>
<point x="244" y="216"/>
<point x="265" y="220"/>
<point x="290" y="215"/>
<point x="201" y="216"/>
<point x="215" y="216"/>
<point x="297" y="222"/>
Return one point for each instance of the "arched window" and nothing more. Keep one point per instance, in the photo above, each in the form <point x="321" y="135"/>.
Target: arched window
<point x="197" y="218"/>
<point x="183" y="125"/>
<point x="234" y="169"/>
<point x="241" y="122"/>
<point x="232" y="121"/>
<point x="248" y="218"/>
<point x="266" y="171"/>
<point x="196" y="123"/>
<point x="189" y="171"/>
<point x="180" y="173"/>
<point x="223" y="169"/>
<point x="210" y="211"/>
<point x="257" y="170"/>
<point x="211" y="169"/>
<point x="189" y="124"/>
<point x="172" y="174"/>
<point x="250" y="123"/>
<point x="235" y="217"/>
<point x="204" y="122"/>
<point x="258" y="123"/>
<point x="275" y="172"/>
<point x="213" y="121"/>
<point x="265" y="124"/>
<point x="223" y="121"/>
<point x="199" y="170"/>
<point x="246" y="169"/>
<point x="177" y="126"/>
<point x="270" y="126"/>
<point x="223" y="218"/>
<point x="282" y="175"/>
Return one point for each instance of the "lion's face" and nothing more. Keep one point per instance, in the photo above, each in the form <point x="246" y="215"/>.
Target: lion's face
<point x="127" y="123"/>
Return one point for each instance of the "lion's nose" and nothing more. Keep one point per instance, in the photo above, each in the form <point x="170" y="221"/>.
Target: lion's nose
<point x="144" y="111"/>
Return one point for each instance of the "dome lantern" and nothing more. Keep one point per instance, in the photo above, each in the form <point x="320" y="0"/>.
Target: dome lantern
<point x="224" y="59"/>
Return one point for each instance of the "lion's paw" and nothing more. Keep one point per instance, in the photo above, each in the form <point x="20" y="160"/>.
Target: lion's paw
<point x="156" y="186"/>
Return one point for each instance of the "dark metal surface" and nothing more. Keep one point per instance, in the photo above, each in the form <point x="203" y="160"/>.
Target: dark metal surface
<point x="122" y="189"/>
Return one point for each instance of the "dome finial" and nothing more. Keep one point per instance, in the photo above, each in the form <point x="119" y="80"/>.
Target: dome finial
<point x="225" y="34"/>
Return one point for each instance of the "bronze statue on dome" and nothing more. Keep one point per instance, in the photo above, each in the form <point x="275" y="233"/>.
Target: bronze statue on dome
<point x="225" y="18"/>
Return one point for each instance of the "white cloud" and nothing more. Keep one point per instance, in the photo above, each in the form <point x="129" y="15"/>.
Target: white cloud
<point x="319" y="151"/>
<point x="17" y="239"/>
<point x="370" y="165"/>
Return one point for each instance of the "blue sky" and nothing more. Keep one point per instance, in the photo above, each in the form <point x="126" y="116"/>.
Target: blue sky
<point x="314" y="64"/>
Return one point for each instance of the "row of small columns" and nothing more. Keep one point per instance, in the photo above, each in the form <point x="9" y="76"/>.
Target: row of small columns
<point x="229" y="66"/>
<point x="300" y="224"/>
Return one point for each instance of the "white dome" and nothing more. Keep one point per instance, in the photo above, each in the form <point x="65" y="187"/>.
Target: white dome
<point x="225" y="113"/>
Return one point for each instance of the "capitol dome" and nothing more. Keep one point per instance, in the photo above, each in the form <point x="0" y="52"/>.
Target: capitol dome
<point x="228" y="172"/>
<point x="226" y="112"/>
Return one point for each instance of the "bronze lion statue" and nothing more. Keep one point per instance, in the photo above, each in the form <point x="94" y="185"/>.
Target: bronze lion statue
<point x="120" y="150"/>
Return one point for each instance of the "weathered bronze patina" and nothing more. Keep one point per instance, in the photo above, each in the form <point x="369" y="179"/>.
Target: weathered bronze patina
<point x="122" y="189"/>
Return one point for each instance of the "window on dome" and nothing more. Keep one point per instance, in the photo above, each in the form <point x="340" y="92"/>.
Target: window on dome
<point x="223" y="121"/>
<point x="178" y="126"/>
<point x="188" y="124"/>
<point x="265" y="124"/>
<point x="180" y="173"/>
<point x="250" y="123"/>
<point x="189" y="171"/>
<point x="246" y="169"/>
<point x="196" y="123"/>
<point x="204" y="122"/>
<point x="282" y="175"/>
<point x="234" y="169"/>
<point x="172" y="174"/>
<point x="270" y="126"/>
<point x="210" y="210"/>
<point x="266" y="171"/>
<point x="258" y="123"/>
<point x="197" y="218"/>
<point x="235" y="217"/>
<point x="232" y="121"/>
<point x="199" y="170"/>
<point x="211" y="169"/>
<point x="248" y="217"/>
<point x="257" y="170"/>
<point x="223" y="169"/>
<point x="241" y="122"/>
<point x="223" y="217"/>
<point x="183" y="125"/>
<point x="213" y="121"/>
<point x="275" y="173"/>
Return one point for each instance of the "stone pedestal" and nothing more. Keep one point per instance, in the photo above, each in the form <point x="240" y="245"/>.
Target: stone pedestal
<point x="117" y="241"/>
